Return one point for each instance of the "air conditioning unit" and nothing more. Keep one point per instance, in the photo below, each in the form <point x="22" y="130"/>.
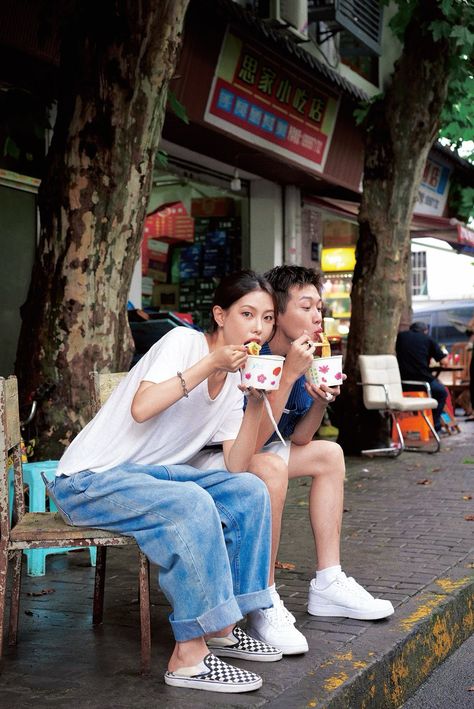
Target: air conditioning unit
<point x="291" y="15"/>
<point x="360" y="18"/>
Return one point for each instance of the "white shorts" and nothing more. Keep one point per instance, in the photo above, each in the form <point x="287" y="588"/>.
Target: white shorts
<point x="214" y="460"/>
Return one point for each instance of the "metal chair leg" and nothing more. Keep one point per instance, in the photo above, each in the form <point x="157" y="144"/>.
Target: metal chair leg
<point x="389" y="452"/>
<point x="434" y="432"/>
<point x="437" y="440"/>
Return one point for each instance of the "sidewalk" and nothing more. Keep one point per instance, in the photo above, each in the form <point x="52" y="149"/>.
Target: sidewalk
<point x="405" y="537"/>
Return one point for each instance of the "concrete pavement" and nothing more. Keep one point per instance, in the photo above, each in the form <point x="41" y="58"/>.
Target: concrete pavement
<point x="407" y="536"/>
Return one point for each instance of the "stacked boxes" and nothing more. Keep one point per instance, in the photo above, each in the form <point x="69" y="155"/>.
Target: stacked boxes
<point x="195" y="297"/>
<point x="216" y="252"/>
<point x="190" y="262"/>
<point x="155" y="260"/>
<point x="182" y="268"/>
<point x="167" y="225"/>
<point x="170" y="221"/>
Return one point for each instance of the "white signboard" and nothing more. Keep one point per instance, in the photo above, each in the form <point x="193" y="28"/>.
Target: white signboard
<point x="434" y="188"/>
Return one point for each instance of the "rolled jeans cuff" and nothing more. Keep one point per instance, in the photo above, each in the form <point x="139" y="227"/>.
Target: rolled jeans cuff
<point x="217" y="618"/>
<point x="221" y="616"/>
<point x="249" y="602"/>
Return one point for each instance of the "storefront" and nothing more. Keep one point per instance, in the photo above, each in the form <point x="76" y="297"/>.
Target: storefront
<point x="274" y="120"/>
<point x="439" y="243"/>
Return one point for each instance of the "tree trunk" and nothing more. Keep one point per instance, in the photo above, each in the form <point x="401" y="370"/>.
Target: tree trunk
<point x="401" y="128"/>
<point x="117" y="57"/>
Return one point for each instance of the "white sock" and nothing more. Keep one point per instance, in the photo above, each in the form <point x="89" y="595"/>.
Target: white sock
<point x="325" y="577"/>
<point x="274" y="593"/>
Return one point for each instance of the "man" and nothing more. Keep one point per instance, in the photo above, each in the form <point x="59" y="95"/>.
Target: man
<point x="299" y="409"/>
<point x="414" y="350"/>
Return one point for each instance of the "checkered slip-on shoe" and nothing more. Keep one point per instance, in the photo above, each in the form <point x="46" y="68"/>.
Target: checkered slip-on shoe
<point x="239" y="644"/>
<point x="213" y="675"/>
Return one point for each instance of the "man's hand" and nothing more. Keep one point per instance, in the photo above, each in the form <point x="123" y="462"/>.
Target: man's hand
<point x="323" y="395"/>
<point x="299" y="358"/>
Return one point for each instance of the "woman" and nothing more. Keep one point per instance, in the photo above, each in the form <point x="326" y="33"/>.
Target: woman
<point x="209" y="532"/>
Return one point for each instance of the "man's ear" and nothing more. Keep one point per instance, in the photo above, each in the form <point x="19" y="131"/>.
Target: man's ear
<point x="218" y="314"/>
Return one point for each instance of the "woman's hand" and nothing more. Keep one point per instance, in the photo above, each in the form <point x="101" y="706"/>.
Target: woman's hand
<point x="229" y="358"/>
<point x="252" y="394"/>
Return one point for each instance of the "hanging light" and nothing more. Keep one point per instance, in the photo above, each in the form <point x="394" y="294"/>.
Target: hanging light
<point x="235" y="183"/>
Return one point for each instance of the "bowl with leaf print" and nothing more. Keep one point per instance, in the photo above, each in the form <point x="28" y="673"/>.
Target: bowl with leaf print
<point x="263" y="371"/>
<point x="325" y="370"/>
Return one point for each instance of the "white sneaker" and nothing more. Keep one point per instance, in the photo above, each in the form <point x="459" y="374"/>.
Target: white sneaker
<point x="276" y="626"/>
<point x="346" y="598"/>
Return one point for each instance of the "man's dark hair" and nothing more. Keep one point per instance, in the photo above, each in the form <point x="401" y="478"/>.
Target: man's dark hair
<point x="282" y="278"/>
<point x="419" y="327"/>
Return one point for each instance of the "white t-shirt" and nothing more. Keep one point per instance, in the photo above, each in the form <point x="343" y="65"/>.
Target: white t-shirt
<point x="173" y="436"/>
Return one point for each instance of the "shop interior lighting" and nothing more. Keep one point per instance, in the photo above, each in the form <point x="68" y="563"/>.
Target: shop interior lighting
<point x="235" y="183"/>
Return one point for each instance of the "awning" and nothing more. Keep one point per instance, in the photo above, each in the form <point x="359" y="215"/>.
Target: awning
<point x="454" y="232"/>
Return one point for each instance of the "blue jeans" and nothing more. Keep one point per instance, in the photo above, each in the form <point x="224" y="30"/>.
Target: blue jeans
<point x="209" y="533"/>
<point x="438" y="392"/>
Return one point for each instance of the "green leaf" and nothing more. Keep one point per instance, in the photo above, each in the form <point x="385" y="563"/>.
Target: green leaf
<point x="162" y="158"/>
<point x="440" y="29"/>
<point x="446" y="7"/>
<point x="177" y="107"/>
<point x="464" y="38"/>
<point x="400" y="20"/>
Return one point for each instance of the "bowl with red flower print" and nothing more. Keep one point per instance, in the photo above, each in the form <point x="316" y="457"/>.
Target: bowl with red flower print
<point x="325" y="370"/>
<point x="262" y="371"/>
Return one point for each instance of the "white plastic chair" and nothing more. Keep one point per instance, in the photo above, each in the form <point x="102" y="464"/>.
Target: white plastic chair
<point x="382" y="390"/>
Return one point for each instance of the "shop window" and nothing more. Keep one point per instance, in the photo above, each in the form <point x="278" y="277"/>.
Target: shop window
<point x="193" y="236"/>
<point x="419" y="283"/>
<point x="356" y="57"/>
<point x="23" y="125"/>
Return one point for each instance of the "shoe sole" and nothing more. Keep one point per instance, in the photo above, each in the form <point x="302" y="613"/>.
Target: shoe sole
<point x="341" y="612"/>
<point x="243" y="655"/>
<point x="285" y="649"/>
<point x="212" y="686"/>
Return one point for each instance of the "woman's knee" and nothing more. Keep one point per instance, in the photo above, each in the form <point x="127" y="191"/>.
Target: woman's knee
<point x="195" y="501"/>
<point x="246" y="486"/>
<point x="245" y="494"/>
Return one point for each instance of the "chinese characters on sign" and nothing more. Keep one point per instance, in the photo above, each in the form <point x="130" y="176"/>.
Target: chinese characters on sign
<point x="255" y="99"/>
<point x="433" y="190"/>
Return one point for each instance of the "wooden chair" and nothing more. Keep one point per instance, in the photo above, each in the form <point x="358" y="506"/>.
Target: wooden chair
<point x="458" y="382"/>
<point x="34" y="530"/>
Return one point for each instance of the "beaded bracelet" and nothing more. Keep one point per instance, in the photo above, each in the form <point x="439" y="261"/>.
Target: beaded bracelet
<point x="183" y="384"/>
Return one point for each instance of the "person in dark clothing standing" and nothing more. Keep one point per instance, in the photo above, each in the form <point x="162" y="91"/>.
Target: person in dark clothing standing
<point x="414" y="350"/>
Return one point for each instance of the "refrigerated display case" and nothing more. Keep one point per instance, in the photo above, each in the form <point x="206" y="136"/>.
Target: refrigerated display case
<point x="337" y="299"/>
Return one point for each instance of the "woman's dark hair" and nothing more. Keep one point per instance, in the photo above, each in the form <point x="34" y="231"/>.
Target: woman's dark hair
<point x="282" y="278"/>
<point x="235" y="286"/>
